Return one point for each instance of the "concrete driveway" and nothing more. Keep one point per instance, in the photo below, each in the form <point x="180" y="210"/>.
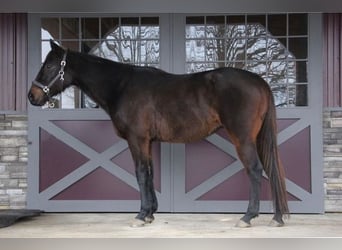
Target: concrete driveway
<point x="117" y="225"/>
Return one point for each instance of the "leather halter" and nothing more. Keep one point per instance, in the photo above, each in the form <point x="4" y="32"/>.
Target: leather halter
<point x="60" y="76"/>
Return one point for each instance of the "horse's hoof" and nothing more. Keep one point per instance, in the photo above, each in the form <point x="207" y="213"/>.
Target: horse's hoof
<point x="149" y="219"/>
<point x="274" y="223"/>
<point x="138" y="223"/>
<point x="243" y="224"/>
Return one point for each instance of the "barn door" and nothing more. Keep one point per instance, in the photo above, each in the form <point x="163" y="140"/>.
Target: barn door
<point x="77" y="163"/>
<point x="282" y="49"/>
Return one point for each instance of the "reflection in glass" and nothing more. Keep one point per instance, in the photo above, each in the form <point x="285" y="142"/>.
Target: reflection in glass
<point x="129" y="39"/>
<point x="235" y="31"/>
<point x="108" y="25"/>
<point x="258" y="43"/>
<point x="70" y="28"/>
<point x="195" y="50"/>
<point x="235" y="49"/>
<point x="73" y="45"/>
<point x="195" y="31"/>
<point x="149" y="52"/>
<point x="90" y="28"/>
<point x="275" y="49"/>
<point x="256" y="19"/>
<point x="50" y="26"/>
<point x="256" y="48"/>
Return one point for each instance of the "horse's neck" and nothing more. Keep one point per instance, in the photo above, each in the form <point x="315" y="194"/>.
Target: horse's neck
<point x="98" y="78"/>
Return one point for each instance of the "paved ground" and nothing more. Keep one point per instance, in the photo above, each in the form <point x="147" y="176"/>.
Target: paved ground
<point x="115" y="225"/>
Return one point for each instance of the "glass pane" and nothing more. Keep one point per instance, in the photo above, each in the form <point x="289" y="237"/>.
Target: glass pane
<point x="300" y="94"/>
<point x="195" y="20"/>
<point x="68" y="98"/>
<point x="257" y="19"/>
<point x="298" y="47"/>
<point x="70" y="28"/>
<point x="73" y="45"/>
<point x="129" y="32"/>
<point x="89" y="46"/>
<point x="235" y="49"/>
<point x="109" y="26"/>
<point x="301" y="71"/>
<point x="129" y="51"/>
<point x="236" y="19"/>
<point x="236" y="30"/>
<point x="215" y="31"/>
<point x="280" y="95"/>
<point x="282" y="41"/>
<point x="90" y="28"/>
<point x="195" y="31"/>
<point x="277" y="25"/>
<point x="269" y="52"/>
<point x="50" y="29"/>
<point x="215" y="26"/>
<point x="258" y="67"/>
<point x="291" y="72"/>
<point x="109" y="49"/>
<point x="236" y="64"/>
<point x="254" y="30"/>
<point x="131" y="21"/>
<point x="149" y="28"/>
<point x="195" y="50"/>
<point x="149" y="52"/>
<point x="236" y="26"/>
<point x="150" y="21"/>
<point x="199" y="67"/>
<point x="215" y="50"/>
<point x="256" y="25"/>
<point x="277" y="71"/>
<point x="275" y="49"/>
<point x="45" y="49"/>
<point x="256" y="48"/>
<point x="298" y="24"/>
<point x="149" y="32"/>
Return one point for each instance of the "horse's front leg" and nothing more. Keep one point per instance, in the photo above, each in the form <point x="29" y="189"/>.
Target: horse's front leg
<point x="144" y="174"/>
<point x="141" y="153"/>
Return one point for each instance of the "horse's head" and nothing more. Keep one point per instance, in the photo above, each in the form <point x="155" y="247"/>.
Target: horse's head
<point x="51" y="79"/>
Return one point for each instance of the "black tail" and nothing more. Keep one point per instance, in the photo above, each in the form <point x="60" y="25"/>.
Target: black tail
<point x="268" y="153"/>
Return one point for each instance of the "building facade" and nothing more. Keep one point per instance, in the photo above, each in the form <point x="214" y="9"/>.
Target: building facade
<point x="308" y="100"/>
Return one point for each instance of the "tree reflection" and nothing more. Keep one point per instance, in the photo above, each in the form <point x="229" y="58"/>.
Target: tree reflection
<point x="247" y="46"/>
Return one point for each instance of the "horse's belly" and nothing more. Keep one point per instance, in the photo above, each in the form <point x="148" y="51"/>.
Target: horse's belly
<point x="186" y="130"/>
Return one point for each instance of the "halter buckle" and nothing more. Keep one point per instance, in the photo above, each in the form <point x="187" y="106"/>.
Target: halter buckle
<point x="61" y="75"/>
<point x="51" y="105"/>
<point x="46" y="89"/>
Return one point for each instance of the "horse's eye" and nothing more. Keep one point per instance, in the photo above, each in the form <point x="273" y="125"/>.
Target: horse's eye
<point x="48" y="66"/>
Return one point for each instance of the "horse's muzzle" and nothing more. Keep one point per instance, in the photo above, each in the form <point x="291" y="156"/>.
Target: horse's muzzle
<point x="37" y="97"/>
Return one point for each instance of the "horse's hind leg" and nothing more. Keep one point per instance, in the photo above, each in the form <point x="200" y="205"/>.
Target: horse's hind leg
<point x="141" y="153"/>
<point x="250" y="159"/>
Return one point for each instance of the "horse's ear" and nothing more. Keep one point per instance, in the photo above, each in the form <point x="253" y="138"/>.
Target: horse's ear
<point x="55" y="46"/>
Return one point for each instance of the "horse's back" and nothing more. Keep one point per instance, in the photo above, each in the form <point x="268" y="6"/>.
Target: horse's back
<point x="184" y="108"/>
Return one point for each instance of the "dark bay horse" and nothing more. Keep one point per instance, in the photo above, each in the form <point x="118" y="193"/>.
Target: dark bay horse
<point x="147" y="104"/>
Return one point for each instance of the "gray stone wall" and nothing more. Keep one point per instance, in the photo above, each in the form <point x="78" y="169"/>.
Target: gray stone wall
<point x="332" y="148"/>
<point x="13" y="161"/>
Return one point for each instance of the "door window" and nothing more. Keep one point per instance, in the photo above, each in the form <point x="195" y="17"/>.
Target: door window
<point x="275" y="46"/>
<point x="132" y="40"/>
